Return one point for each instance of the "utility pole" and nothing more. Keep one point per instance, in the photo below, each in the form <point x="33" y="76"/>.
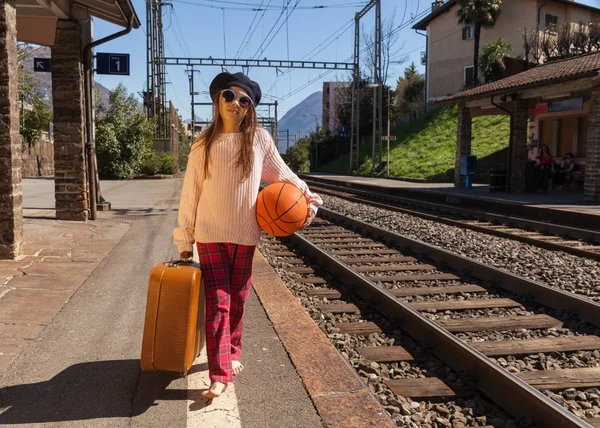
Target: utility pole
<point x="378" y="101"/>
<point x="155" y="67"/>
<point x="276" y="127"/>
<point x="193" y="121"/>
<point x="288" y="139"/>
<point x="378" y="92"/>
<point x="388" y="131"/>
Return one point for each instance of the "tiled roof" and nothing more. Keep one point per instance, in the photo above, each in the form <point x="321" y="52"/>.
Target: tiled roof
<point x="422" y="24"/>
<point x="558" y="71"/>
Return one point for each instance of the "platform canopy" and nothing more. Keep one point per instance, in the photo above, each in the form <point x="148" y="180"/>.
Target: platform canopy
<point x="559" y="78"/>
<point x="36" y="19"/>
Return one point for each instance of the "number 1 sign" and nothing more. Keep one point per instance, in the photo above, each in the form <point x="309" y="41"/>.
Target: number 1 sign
<point x="109" y="63"/>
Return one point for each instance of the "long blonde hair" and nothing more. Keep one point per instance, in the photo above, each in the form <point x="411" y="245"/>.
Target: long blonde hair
<point x="247" y="127"/>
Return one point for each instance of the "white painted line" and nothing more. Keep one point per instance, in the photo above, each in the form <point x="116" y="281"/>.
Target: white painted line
<point x="221" y="412"/>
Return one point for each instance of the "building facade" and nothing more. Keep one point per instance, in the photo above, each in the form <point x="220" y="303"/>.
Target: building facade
<point x="333" y="93"/>
<point x="449" y="55"/>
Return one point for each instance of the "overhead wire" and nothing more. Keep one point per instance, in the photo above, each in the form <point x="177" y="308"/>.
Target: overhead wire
<point x="343" y="27"/>
<point x="253" y="7"/>
<point x="390" y="34"/>
<point x="242" y="45"/>
<point x="287" y="5"/>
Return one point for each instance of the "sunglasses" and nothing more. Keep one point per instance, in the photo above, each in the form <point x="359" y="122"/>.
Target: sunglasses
<point x="230" y="95"/>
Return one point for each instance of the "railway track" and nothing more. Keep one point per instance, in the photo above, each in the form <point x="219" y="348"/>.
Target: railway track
<point x="461" y="311"/>
<point x="576" y="241"/>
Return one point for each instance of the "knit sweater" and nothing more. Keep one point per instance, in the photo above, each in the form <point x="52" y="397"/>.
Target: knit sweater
<point x="221" y="207"/>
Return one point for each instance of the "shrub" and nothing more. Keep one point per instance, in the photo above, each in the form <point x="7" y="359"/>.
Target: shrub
<point x="156" y="162"/>
<point x="168" y="163"/>
<point x="122" y="136"/>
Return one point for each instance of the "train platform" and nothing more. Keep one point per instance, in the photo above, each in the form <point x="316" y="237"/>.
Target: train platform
<point x="72" y="312"/>
<point x="556" y="205"/>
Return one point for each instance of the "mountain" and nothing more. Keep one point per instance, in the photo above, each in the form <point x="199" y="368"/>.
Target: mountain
<point x="295" y="121"/>
<point x="45" y="79"/>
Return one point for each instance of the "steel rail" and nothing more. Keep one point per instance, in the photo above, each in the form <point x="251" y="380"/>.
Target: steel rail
<point x="538" y="226"/>
<point x="524" y="211"/>
<point x="541" y="293"/>
<point x="504" y="388"/>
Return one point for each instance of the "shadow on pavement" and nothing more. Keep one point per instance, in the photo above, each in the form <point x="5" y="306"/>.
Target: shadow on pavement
<point x="102" y="389"/>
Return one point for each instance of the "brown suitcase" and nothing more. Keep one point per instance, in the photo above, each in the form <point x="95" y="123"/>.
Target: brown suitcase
<point x="174" y="323"/>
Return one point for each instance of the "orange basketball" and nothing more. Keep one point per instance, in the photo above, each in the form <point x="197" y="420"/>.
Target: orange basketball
<point x="281" y="209"/>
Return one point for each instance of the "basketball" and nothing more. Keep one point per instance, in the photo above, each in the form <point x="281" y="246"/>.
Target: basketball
<point x="281" y="209"/>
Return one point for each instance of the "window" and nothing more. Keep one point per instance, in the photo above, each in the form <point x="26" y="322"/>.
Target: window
<point x="551" y="22"/>
<point x="468" y="32"/>
<point x="469" y="76"/>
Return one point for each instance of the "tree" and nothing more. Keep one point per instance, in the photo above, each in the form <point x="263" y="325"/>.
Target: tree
<point x="492" y="59"/>
<point x="531" y="43"/>
<point x="123" y="136"/>
<point x="36" y="117"/>
<point x="562" y="41"/>
<point x="184" y="146"/>
<point x="297" y="156"/>
<point x="35" y="113"/>
<point x="479" y="14"/>
<point x="365" y="99"/>
<point x="410" y="90"/>
<point x="391" y="53"/>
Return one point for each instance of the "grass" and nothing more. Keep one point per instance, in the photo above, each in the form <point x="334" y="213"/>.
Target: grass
<point x="426" y="147"/>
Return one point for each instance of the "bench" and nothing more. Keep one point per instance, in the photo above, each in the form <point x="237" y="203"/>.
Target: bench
<point x="577" y="176"/>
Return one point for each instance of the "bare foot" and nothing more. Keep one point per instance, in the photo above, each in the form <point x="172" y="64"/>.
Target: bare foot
<point x="236" y="367"/>
<point x="215" y="391"/>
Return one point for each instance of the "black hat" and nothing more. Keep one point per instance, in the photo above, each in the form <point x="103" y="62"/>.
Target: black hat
<point x="226" y="80"/>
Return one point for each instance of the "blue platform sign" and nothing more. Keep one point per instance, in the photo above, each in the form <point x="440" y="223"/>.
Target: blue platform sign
<point x="110" y="63"/>
<point x="41" y="65"/>
<point x="344" y="131"/>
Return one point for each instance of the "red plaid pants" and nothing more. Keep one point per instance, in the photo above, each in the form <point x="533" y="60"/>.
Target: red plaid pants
<point x="226" y="270"/>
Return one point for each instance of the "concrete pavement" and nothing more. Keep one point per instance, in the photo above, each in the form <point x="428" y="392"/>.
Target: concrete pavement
<point x="77" y="336"/>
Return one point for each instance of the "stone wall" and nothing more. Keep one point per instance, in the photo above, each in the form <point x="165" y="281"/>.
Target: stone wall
<point x="71" y="189"/>
<point x="38" y="160"/>
<point x="591" y="189"/>
<point x="519" y="146"/>
<point x="11" y="194"/>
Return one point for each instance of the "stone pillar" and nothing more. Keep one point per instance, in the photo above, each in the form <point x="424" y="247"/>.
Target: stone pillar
<point x="11" y="194"/>
<point x="591" y="189"/>
<point x="463" y="139"/>
<point x="70" y="183"/>
<point x="518" y="149"/>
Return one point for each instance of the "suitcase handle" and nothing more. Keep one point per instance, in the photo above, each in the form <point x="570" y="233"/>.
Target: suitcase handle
<point x="177" y="263"/>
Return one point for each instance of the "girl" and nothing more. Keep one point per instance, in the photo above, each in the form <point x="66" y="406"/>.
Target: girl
<point x="217" y="212"/>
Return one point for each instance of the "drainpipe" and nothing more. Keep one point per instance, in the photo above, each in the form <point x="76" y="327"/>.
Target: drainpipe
<point x="510" y="144"/>
<point x="90" y="145"/>
<point x="426" y="67"/>
<point x="539" y="12"/>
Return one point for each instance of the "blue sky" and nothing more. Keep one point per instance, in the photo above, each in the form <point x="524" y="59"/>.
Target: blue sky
<point x="192" y="29"/>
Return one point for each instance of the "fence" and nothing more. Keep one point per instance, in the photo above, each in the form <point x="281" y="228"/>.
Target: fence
<point x="38" y="160"/>
<point x="408" y="118"/>
<point x="494" y="161"/>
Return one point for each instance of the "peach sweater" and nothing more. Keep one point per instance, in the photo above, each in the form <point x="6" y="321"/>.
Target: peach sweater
<point x="220" y="208"/>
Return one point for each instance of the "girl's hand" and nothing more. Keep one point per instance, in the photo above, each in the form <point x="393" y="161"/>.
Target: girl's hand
<point x="310" y="216"/>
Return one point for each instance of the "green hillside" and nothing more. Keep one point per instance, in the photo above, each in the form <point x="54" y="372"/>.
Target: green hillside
<point x="426" y="147"/>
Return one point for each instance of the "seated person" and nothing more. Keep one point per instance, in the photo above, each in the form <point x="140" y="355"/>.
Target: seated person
<point x="564" y="170"/>
<point x="544" y="168"/>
